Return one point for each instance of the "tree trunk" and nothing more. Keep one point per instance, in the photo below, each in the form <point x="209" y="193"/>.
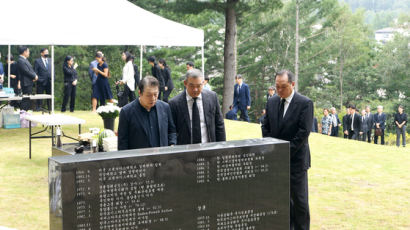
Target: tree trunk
<point x="341" y="82"/>
<point x="297" y="47"/>
<point x="229" y="54"/>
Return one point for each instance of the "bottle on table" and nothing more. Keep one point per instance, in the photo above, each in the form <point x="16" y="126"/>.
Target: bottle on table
<point x="58" y="132"/>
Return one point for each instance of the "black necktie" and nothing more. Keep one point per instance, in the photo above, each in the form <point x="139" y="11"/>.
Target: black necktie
<point x="281" y="109"/>
<point x="196" y="124"/>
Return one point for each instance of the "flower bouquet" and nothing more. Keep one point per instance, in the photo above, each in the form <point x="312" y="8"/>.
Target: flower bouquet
<point x="108" y="113"/>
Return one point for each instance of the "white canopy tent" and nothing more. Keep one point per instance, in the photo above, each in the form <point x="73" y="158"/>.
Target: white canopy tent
<point x="91" y="22"/>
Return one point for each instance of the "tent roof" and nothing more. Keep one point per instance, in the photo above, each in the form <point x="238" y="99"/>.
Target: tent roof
<point x="90" y="22"/>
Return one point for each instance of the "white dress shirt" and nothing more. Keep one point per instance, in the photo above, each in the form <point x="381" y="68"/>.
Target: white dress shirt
<point x="352" y="121"/>
<point x="44" y="61"/>
<point x="199" y="102"/>
<point x="287" y="102"/>
<point x="128" y="75"/>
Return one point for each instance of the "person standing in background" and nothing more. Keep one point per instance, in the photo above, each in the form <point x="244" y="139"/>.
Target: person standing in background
<point x="14" y="80"/>
<point x="326" y="123"/>
<point x="354" y="124"/>
<point x="157" y="73"/>
<point x="93" y="78"/>
<point x="128" y="79"/>
<point x="365" y="126"/>
<point x="207" y="86"/>
<point x="166" y="73"/>
<point x="189" y="65"/>
<point x="42" y="67"/>
<point x="314" y="125"/>
<point x="241" y="98"/>
<point x="345" y="123"/>
<point x="379" y="120"/>
<point x="369" y="119"/>
<point x="335" y="122"/>
<point x="271" y="92"/>
<point x="70" y="83"/>
<point x="25" y="71"/>
<point x="400" y="120"/>
<point x="103" y="91"/>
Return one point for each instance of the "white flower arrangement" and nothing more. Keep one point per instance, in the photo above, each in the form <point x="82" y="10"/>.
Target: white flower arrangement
<point x="108" y="111"/>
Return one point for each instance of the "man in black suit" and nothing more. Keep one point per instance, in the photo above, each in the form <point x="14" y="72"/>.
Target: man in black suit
<point x="42" y="67"/>
<point x="354" y="124"/>
<point x="289" y="117"/>
<point x="196" y="112"/>
<point x="346" y="123"/>
<point x="369" y="119"/>
<point x="25" y="71"/>
<point x="27" y="76"/>
<point x="146" y="122"/>
<point x="157" y="73"/>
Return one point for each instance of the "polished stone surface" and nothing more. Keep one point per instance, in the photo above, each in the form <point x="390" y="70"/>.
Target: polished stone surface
<point x="226" y="185"/>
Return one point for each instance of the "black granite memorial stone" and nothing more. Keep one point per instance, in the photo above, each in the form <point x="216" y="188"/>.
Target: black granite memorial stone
<point x="240" y="185"/>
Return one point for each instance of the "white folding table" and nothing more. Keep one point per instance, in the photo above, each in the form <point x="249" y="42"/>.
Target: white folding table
<point x="20" y="98"/>
<point x="52" y="120"/>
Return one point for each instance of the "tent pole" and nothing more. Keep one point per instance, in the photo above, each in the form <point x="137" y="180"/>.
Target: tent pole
<point x="52" y="79"/>
<point x="8" y="69"/>
<point x="141" y="62"/>
<point x="203" y="60"/>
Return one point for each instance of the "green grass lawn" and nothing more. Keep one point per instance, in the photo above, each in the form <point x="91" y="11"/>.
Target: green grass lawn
<point x="352" y="185"/>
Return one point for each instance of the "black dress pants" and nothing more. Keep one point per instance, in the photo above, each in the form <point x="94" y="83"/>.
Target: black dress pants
<point x="43" y="88"/>
<point x="69" y="93"/>
<point x="299" y="201"/>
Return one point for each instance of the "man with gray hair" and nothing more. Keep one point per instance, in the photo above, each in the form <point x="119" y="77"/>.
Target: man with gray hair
<point x="335" y="122"/>
<point x="196" y="112"/>
<point x="369" y="120"/>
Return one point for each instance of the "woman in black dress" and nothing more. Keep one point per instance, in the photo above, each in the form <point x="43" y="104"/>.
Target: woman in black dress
<point x="103" y="91"/>
<point x="70" y="83"/>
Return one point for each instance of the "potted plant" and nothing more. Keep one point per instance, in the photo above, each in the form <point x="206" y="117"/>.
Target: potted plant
<point x="108" y="113"/>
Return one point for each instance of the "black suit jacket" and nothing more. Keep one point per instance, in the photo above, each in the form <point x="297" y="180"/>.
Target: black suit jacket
<point x="213" y="117"/>
<point x="295" y="128"/>
<point x="166" y="73"/>
<point x="44" y="74"/>
<point x="157" y="73"/>
<point x="132" y="135"/>
<point x="25" y="72"/>
<point x="357" y="124"/>
<point x="346" y="122"/>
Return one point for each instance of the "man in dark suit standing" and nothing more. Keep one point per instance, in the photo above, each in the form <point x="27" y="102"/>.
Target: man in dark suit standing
<point x="26" y="73"/>
<point x="27" y="76"/>
<point x="369" y="119"/>
<point x="365" y="125"/>
<point x="379" y="120"/>
<point x="241" y="98"/>
<point x="196" y="112"/>
<point x="146" y="122"/>
<point x="289" y="117"/>
<point x="346" y="123"/>
<point x="354" y="124"/>
<point x="157" y="73"/>
<point x="42" y="67"/>
<point x="271" y="92"/>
